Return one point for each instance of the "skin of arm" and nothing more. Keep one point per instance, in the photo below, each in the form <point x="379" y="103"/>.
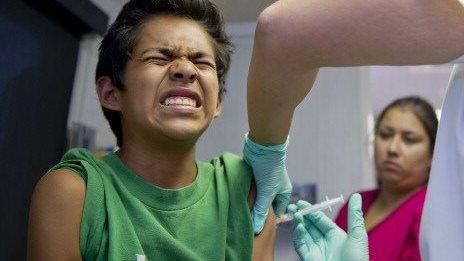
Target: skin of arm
<point x="55" y="217"/>
<point x="294" y="38"/>
<point x="264" y="242"/>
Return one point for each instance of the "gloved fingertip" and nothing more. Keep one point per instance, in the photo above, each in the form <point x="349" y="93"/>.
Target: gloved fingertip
<point x="257" y="231"/>
<point x="298" y="217"/>
<point x="281" y="202"/>
<point x="257" y="227"/>
<point x="299" y="231"/>
<point x="303" y="204"/>
<point x="356" y="199"/>
<point x="355" y="202"/>
<point x="292" y="208"/>
<point x="356" y="226"/>
<point x="279" y="211"/>
<point x="258" y="221"/>
<point x="355" y="206"/>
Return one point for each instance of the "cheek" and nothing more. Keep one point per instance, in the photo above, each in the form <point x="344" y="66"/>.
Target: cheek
<point x="419" y="161"/>
<point x="379" y="150"/>
<point x="210" y="87"/>
<point x="145" y="85"/>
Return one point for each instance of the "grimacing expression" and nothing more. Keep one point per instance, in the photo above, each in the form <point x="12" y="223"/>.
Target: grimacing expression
<point x="171" y="82"/>
<point x="402" y="150"/>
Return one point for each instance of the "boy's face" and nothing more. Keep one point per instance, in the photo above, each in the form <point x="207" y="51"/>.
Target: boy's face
<point x="171" y="81"/>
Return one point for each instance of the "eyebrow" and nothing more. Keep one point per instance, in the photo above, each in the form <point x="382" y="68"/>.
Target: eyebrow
<point x="169" y="52"/>
<point x="405" y="132"/>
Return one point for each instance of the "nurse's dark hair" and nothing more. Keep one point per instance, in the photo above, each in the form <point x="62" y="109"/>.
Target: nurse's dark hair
<point x="118" y="43"/>
<point x="422" y="109"/>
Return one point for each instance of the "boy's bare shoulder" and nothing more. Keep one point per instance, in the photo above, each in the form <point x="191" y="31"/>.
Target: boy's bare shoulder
<point x="61" y="184"/>
<point x="55" y="215"/>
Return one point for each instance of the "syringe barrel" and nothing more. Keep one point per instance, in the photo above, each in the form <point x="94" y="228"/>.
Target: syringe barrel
<point x="313" y="208"/>
<point x="321" y="206"/>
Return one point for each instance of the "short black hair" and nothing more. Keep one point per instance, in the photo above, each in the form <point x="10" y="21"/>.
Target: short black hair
<point x="121" y="38"/>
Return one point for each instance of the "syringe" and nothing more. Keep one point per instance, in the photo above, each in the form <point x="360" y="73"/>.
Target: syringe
<point x="327" y="204"/>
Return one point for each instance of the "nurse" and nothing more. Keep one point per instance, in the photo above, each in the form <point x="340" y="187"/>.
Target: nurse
<point x="334" y="33"/>
<point x="404" y="139"/>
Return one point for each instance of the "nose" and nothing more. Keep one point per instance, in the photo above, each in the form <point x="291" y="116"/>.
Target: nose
<point x="394" y="146"/>
<point x="182" y="70"/>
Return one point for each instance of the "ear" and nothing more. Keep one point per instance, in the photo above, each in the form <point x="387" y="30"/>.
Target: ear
<point x="108" y="94"/>
<point x="219" y="105"/>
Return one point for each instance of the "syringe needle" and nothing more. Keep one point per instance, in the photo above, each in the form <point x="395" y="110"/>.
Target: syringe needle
<point x="311" y="209"/>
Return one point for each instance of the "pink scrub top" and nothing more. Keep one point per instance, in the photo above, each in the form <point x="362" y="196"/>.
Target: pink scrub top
<point x="396" y="237"/>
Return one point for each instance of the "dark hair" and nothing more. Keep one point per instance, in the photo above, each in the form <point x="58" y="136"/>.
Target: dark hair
<point x="120" y="40"/>
<point x="421" y="109"/>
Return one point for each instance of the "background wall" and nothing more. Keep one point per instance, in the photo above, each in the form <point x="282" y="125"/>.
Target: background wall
<point x="390" y="82"/>
<point x="40" y="44"/>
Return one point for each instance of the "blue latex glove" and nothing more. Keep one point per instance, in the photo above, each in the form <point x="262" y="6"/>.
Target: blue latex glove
<point x="316" y="237"/>
<point x="270" y="175"/>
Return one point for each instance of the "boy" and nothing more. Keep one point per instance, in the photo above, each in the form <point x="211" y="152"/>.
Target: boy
<point x="160" y="81"/>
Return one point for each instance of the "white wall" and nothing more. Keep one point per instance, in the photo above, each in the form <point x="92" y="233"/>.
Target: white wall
<point x="388" y="83"/>
<point x="85" y="107"/>
<point x="329" y="134"/>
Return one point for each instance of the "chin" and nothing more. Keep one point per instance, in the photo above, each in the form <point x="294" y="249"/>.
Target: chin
<point x="184" y="134"/>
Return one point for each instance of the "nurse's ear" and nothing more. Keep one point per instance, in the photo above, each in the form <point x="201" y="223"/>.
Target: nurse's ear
<point x="108" y="94"/>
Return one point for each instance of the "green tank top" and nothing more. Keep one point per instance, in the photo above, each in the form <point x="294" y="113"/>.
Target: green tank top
<point x="127" y="218"/>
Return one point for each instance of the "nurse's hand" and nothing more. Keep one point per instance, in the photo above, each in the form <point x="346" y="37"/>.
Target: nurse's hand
<point x="316" y="237"/>
<point x="270" y="175"/>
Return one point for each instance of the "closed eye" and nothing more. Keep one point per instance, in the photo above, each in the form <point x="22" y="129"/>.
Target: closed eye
<point x="205" y="64"/>
<point x="157" y="60"/>
<point x="411" y="140"/>
<point x="384" y="135"/>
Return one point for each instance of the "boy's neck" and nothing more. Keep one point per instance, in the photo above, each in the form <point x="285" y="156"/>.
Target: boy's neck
<point x="163" y="166"/>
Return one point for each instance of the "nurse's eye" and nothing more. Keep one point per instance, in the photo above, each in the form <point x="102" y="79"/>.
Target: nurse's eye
<point x="410" y="140"/>
<point x="384" y="134"/>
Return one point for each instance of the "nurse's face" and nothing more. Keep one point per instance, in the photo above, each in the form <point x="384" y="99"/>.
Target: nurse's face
<point x="402" y="151"/>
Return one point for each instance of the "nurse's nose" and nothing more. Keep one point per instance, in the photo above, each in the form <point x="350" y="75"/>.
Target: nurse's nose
<point x="394" y="145"/>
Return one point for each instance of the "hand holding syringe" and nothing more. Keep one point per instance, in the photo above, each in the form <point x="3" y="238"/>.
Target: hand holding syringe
<point x="311" y="209"/>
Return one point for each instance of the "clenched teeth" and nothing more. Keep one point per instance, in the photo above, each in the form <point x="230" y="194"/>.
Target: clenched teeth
<point x="180" y="101"/>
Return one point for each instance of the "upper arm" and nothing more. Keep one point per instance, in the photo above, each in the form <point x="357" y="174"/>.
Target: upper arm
<point x="55" y="215"/>
<point x="351" y="33"/>
<point x="264" y="243"/>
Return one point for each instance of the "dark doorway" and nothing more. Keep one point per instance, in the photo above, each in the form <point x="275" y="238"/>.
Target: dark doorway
<point x="37" y="66"/>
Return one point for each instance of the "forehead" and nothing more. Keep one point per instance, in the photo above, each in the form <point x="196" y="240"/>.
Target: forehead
<point x="402" y="119"/>
<point x="176" y="33"/>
